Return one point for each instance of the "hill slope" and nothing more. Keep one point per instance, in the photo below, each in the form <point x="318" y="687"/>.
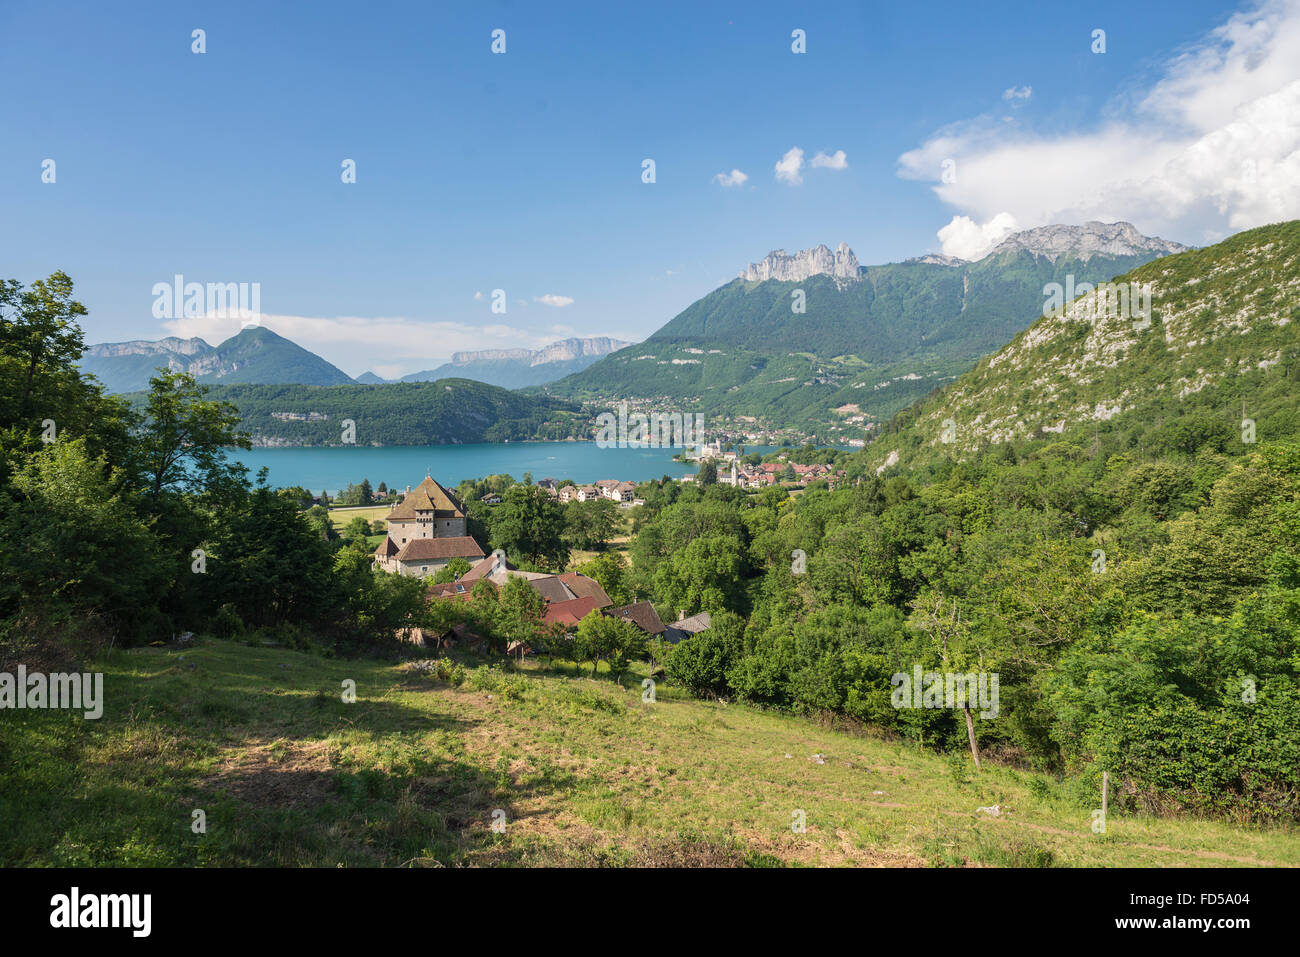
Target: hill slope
<point x="586" y="773"/>
<point x="1225" y="329"/>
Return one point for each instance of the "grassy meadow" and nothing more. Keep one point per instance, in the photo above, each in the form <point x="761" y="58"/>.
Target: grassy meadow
<point x="586" y="773"/>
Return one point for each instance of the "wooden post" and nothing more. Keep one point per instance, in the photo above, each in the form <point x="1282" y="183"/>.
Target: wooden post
<point x="1105" y="794"/>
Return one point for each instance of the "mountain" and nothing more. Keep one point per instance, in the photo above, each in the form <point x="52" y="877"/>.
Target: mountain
<point x="519" y="368"/>
<point x="870" y="340"/>
<point x="255" y="355"/>
<point x="369" y="378"/>
<point x="818" y="261"/>
<point x="449" y="411"/>
<point x="1222" y="345"/>
<point x="1086" y="241"/>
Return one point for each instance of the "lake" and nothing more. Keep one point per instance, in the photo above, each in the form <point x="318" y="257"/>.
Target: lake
<point x="331" y="469"/>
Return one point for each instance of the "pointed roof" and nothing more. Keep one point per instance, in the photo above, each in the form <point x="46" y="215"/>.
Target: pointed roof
<point x="428" y="496"/>
<point x="585" y="587"/>
<point x="642" y="614"/>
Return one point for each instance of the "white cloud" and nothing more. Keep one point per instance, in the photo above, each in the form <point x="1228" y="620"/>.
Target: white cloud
<point x="966" y="239"/>
<point x="552" y="300"/>
<point x="1211" y="146"/>
<point x="355" y="343"/>
<point x="734" y="178"/>
<point x="837" y="160"/>
<point x="1016" y="93"/>
<point x="788" y="167"/>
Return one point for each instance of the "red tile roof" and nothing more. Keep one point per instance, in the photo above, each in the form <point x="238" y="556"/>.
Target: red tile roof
<point x="569" y="613"/>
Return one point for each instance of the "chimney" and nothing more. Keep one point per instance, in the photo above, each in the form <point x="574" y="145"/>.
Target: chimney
<point x="408" y="490"/>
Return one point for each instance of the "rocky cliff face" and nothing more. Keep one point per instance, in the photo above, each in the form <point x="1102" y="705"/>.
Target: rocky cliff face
<point x="577" y="348"/>
<point x="492" y="355"/>
<point x="143" y="347"/>
<point x="818" y="261"/>
<point x="1084" y="242"/>
<point x="562" y="351"/>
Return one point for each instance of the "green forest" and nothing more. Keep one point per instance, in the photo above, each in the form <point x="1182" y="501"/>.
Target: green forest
<point x="398" y="413"/>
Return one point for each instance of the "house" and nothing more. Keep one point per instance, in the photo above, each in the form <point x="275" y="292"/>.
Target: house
<point x="426" y="530"/>
<point x="588" y="493"/>
<point x="560" y="592"/>
<point x="642" y="614"/>
<point x="585" y="587"/>
<point x="568" y="493"/>
<point x="491" y="498"/>
<point x="619" y="491"/>
<point x="686" y="627"/>
<point x="421" y="557"/>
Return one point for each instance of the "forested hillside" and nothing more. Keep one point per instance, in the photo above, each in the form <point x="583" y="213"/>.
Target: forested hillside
<point x="397" y="413"/>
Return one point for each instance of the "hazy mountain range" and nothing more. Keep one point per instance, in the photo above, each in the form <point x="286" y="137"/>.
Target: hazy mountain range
<point x="259" y="356"/>
<point x="518" y="368"/>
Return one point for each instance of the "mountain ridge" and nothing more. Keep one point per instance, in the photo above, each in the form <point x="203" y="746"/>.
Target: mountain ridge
<point x="520" y="368"/>
<point x="1224" y="330"/>
<point x="253" y="355"/>
<point x="861" y="349"/>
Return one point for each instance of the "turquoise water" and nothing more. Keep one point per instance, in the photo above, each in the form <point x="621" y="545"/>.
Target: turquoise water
<point x="331" y="469"/>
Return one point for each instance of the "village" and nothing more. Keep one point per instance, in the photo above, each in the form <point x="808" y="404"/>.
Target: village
<point x="427" y="532"/>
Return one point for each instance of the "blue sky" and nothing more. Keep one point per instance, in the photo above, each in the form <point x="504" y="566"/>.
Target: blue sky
<point x="522" y="171"/>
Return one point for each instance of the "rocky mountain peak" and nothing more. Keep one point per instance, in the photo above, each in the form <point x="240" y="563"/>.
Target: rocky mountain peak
<point x="1091" y="239"/>
<point x="818" y="261"/>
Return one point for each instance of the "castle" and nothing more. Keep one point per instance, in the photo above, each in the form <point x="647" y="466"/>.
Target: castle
<point x="426" y="530"/>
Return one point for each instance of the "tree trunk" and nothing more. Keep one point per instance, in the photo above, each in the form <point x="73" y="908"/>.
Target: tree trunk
<point x="970" y="733"/>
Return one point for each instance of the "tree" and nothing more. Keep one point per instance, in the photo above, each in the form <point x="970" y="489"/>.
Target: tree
<point x="182" y="440"/>
<point x="949" y="634"/>
<point x="271" y="563"/>
<point x="700" y="663"/>
<point x="451" y="571"/>
<point x="529" y="525"/>
<point x="367" y="493"/>
<point x="71" y="543"/>
<point x="708" y="473"/>
<point x="590" y="525"/>
<point x="40" y="383"/>
<point x="607" y="638"/>
<point x="520" y="611"/>
<point x="44" y="335"/>
<point x="611" y="572"/>
<point x="704" y="576"/>
<point x="358" y="528"/>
